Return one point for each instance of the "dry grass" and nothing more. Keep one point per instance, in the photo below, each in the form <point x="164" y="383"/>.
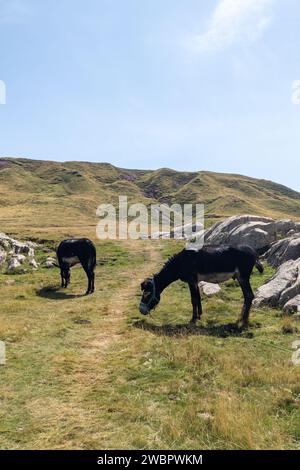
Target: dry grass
<point x="117" y="382"/>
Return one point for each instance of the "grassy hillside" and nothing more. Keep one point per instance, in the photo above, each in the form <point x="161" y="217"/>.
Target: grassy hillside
<point x="43" y="194"/>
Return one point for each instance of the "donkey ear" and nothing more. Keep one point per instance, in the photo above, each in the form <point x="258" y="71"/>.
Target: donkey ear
<point x="143" y="285"/>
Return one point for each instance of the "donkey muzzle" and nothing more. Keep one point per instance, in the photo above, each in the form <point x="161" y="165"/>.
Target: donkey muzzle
<point x="144" y="310"/>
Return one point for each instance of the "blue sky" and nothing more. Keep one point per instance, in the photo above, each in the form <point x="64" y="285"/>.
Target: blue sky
<point x="187" y="84"/>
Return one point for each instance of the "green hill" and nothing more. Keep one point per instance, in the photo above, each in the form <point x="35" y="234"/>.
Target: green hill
<point x="38" y="194"/>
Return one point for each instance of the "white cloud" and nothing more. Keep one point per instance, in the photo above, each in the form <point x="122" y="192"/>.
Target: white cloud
<point x="233" y="21"/>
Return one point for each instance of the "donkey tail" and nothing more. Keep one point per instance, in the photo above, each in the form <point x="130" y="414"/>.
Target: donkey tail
<point x="94" y="260"/>
<point x="259" y="266"/>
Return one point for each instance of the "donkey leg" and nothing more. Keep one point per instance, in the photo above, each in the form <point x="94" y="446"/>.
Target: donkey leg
<point x="196" y="301"/>
<point x="64" y="282"/>
<point x="93" y="282"/>
<point x="200" y="311"/>
<point x="68" y="280"/>
<point x="87" y="271"/>
<point x="90" y="281"/>
<point x="89" y="288"/>
<point x="248" y="299"/>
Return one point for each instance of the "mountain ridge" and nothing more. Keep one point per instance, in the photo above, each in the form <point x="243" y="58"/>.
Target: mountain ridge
<point x="48" y="193"/>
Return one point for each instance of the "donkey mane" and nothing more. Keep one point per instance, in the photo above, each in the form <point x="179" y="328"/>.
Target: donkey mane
<point x="171" y="260"/>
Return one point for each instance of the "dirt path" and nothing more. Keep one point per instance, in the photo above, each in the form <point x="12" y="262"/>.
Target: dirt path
<point x="91" y="370"/>
<point x="115" y="308"/>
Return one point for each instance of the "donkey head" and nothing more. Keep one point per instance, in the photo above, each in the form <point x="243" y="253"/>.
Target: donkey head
<point x="150" y="297"/>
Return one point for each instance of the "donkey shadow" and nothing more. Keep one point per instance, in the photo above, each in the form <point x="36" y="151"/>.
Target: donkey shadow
<point x="54" y="293"/>
<point x="221" y="331"/>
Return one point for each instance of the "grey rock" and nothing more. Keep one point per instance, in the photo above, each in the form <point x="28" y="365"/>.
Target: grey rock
<point x="209" y="289"/>
<point x="291" y="291"/>
<point x="293" y="305"/>
<point x="255" y="231"/>
<point x="221" y="232"/>
<point x="22" y="248"/>
<point x="16" y="246"/>
<point x="19" y="258"/>
<point x="4" y="241"/>
<point x="281" y="288"/>
<point x="16" y="253"/>
<point x="50" y="262"/>
<point x="253" y="235"/>
<point x="283" y="227"/>
<point x="13" y="265"/>
<point x="280" y="239"/>
<point x="3" y="256"/>
<point x="291" y="232"/>
<point x="284" y="250"/>
<point x="33" y="263"/>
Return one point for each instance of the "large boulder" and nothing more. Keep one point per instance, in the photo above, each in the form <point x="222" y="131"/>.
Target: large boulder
<point x="209" y="289"/>
<point x="284" y="286"/>
<point x="254" y="235"/>
<point x="293" y="305"/>
<point x="258" y="232"/>
<point x="285" y="226"/>
<point x="284" y="250"/>
<point x="221" y="232"/>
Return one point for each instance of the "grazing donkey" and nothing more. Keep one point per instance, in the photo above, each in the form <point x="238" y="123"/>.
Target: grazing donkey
<point x="73" y="251"/>
<point x="211" y="264"/>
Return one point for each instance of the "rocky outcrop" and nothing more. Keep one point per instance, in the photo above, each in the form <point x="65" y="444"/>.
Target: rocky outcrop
<point x="279" y="242"/>
<point x="16" y="246"/>
<point x="284" y="286"/>
<point x="14" y="264"/>
<point x="293" y="305"/>
<point x="284" y="250"/>
<point x="3" y="256"/>
<point x="16" y="254"/>
<point x="255" y="231"/>
<point x="231" y="230"/>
